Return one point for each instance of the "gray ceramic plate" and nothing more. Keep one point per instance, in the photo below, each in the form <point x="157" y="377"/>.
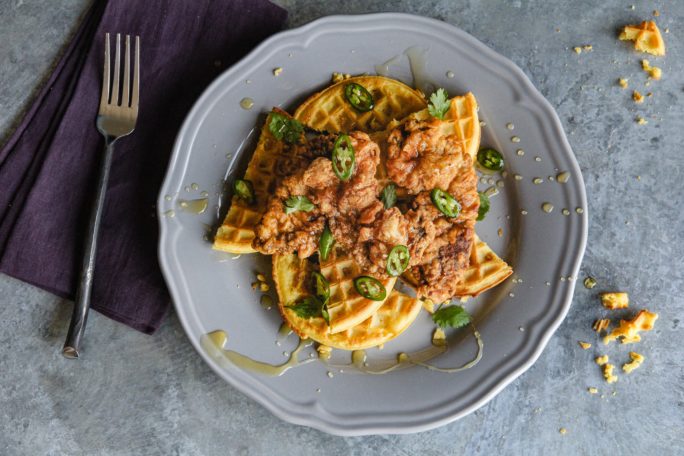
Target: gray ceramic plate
<point x="212" y="291"/>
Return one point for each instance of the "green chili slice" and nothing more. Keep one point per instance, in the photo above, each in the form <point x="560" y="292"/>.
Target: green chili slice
<point x="325" y="243"/>
<point x="244" y="190"/>
<point x="321" y="286"/>
<point x="343" y="158"/>
<point x="490" y="159"/>
<point x="446" y="203"/>
<point x="298" y="203"/>
<point x="370" y="288"/>
<point x="398" y="260"/>
<point x="360" y="98"/>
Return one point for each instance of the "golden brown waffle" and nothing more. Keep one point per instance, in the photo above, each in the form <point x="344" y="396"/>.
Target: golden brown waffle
<point x="271" y="159"/>
<point x="387" y="322"/>
<point x="328" y="110"/>
<point x="646" y="37"/>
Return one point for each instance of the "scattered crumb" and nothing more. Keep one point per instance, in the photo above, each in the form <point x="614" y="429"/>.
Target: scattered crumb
<point x="615" y="300"/>
<point x="338" y="77"/>
<point x="637" y="97"/>
<point x="324" y="351"/>
<point x="641" y="121"/>
<point x="584" y="345"/>
<point x="589" y="282"/>
<point x="638" y="178"/>
<point x="277" y="71"/>
<point x="429" y="305"/>
<point x="255" y="285"/>
<point x="601" y="360"/>
<point x="628" y="330"/>
<point x="646" y="37"/>
<point x="563" y="431"/>
<point x="264" y="287"/>
<point x="500" y="232"/>
<point x="623" y="83"/>
<point x="656" y="13"/>
<point x="587" y="47"/>
<point x="637" y="359"/>
<point x="653" y="72"/>
<point x="601" y="325"/>
<point x="592" y="390"/>
<point x="261" y="278"/>
<point x="577" y="49"/>
<point x="608" y="373"/>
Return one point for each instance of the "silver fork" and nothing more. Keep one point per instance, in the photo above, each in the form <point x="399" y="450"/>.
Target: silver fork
<point x="115" y="119"/>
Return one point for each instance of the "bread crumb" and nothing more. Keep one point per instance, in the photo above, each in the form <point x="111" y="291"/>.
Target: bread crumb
<point x="608" y="373"/>
<point x="601" y="360"/>
<point x="637" y="359"/>
<point x="637" y="97"/>
<point x="628" y="330"/>
<point x="653" y="72"/>
<point x="324" y="351"/>
<point x="563" y="431"/>
<point x="623" y="83"/>
<point x="339" y="77"/>
<point x="641" y="121"/>
<point x="588" y="47"/>
<point x="646" y="37"/>
<point x="592" y="390"/>
<point x="616" y="300"/>
<point x="601" y="325"/>
<point x="656" y="13"/>
<point x="584" y="345"/>
<point x="500" y="232"/>
<point x="577" y="49"/>
<point x="277" y="71"/>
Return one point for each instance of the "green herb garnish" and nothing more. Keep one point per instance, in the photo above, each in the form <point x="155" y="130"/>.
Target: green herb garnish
<point x="298" y="203"/>
<point x="388" y="196"/>
<point x="451" y="317"/>
<point x="244" y="190"/>
<point x="285" y="128"/>
<point x="439" y="104"/>
<point x="310" y="307"/>
<point x="484" y="206"/>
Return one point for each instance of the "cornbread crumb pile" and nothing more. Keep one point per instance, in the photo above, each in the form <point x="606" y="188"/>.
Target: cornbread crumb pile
<point x="646" y="37"/>
<point x="637" y="359"/>
<point x="615" y="300"/>
<point x="628" y="330"/>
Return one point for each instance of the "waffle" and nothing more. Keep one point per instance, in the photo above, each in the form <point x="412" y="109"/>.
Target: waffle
<point x="384" y="324"/>
<point x="328" y="110"/>
<point x="236" y="233"/>
<point x="646" y="37"/>
<point x="486" y="270"/>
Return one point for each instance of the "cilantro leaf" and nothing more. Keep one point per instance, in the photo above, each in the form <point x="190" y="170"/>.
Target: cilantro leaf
<point x="388" y="196"/>
<point x="451" y="317"/>
<point x="298" y="203"/>
<point x="311" y="307"/>
<point x="439" y="104"/>
<point x="285" y="128"/>
<point x="307" y="307"/>
<point x="484" y="206"/>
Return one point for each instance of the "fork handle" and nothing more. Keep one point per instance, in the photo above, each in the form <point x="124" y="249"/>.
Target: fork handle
<point x="82" y="301"/>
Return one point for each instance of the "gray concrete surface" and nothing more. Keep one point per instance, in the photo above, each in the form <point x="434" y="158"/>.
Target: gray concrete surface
<point x="140" y="395"/>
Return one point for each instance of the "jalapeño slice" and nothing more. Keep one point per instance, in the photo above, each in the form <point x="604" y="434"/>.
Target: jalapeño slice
<point x="398" y="260"/>
<point x="321" y="287"/>
<point x="370" y="288"/>
<point x="360" y="98"/>
<point x="490" y="159"/>
<point x="446" y="203"/>
<point x="244" y="190"/>
<point x="325" y="243"/>
<point x="343" y="158"/>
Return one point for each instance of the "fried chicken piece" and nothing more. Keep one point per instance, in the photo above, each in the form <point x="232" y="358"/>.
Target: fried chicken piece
<point x="421" y="157"/>
<point x="439" y="245"/>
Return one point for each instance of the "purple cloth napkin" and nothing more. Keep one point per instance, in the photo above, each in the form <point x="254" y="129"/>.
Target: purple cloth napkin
<point x="48" y="168"/>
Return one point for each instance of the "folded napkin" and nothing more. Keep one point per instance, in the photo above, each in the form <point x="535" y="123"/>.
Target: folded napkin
<point x="49" y="166"/>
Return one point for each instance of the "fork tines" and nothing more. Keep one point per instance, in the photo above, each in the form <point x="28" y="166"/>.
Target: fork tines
<point x="111" y="97"/>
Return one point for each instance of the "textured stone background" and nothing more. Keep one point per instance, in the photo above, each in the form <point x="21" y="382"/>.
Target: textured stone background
<point x="139" y="395"/>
